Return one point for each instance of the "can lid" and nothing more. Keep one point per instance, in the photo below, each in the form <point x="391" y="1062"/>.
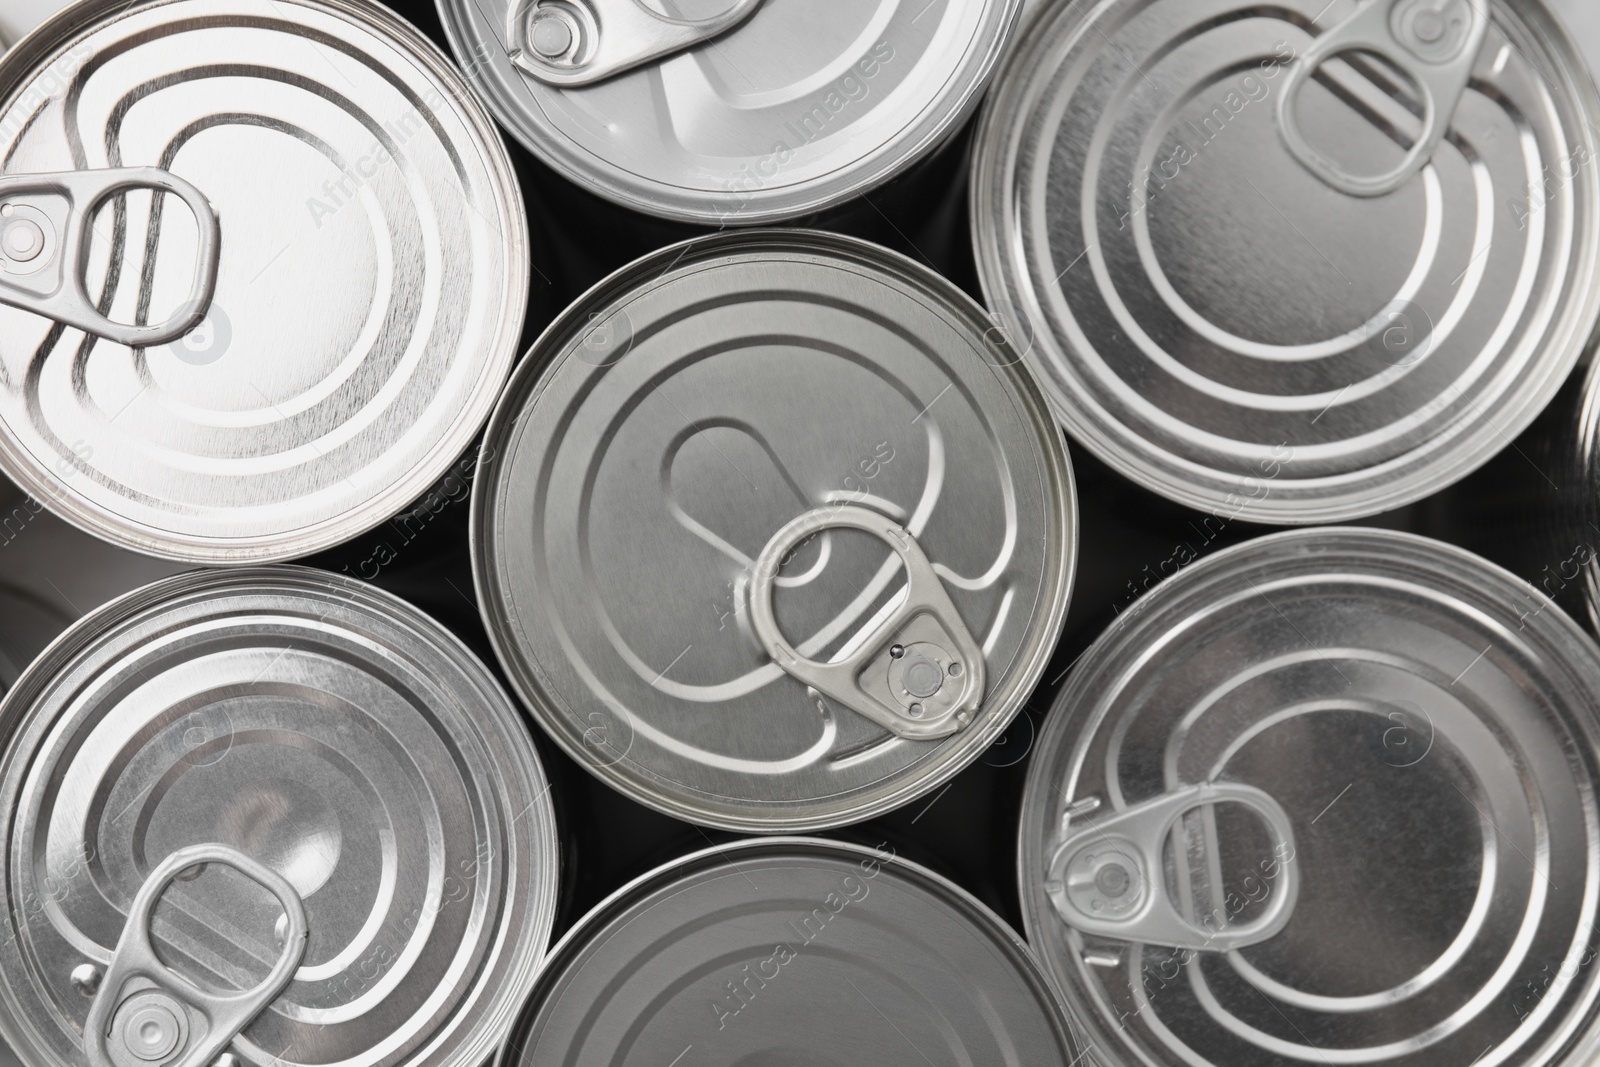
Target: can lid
<point x="301" y="278"/>
<point x="273" y="811"/>
<point x="743" y="441"/>
<point x="1327" y="797"/>
<point x="1297" y="263"/>
<point x="786" y="110"/>
<point x="791" y="951"/>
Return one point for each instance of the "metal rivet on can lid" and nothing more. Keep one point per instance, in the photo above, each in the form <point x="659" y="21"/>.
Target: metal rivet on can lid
<point x="370" y="272"/>
<point x="792" y="952"/>
<point x="923" y="678"/>
<point x="780" y="109"/>
<point x="86" y="978"/>
<point x="1329" y="796"/>
<point x="806" y="439"/>
<point x="1296" y="263"/>
<point x="357" y="800"/>
<point x="23" y="240"/>
<point x="150" y="1032"/>
<point x="552" y="35"/>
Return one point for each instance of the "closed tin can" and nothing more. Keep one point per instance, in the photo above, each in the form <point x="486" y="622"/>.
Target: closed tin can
<point x="791" y="951"/>
<point x="1326" y="797"/>
<point x="270" y="813"/>
<point x="729" y="111"/>
<point x="1295" y="264"/>
<point x="263" y="268"/>
<point x="697" y="500"/>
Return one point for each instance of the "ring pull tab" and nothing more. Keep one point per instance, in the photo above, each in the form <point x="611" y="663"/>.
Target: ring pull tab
<point x="146" y="1015"/>
<point x="1109" y="880"/>
<point x="44" y="248"/>
<point x="1434" y="42"/>
<point x="579" y="42"/>
<point x="919" y="674"/>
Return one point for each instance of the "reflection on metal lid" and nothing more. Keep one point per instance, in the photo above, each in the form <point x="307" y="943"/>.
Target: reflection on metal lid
<point x="1327" y="797"/>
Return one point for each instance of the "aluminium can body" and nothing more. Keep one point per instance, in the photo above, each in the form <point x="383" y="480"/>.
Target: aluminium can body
<point x="728" y="421"/>
<point x="332" y="736"/>
<point x="797" y="108"/>
<point x="370" y="272"/>
<point x="1228" y="326"/>
<point x="791" y="951"/>
<point x="1325" y="797"/>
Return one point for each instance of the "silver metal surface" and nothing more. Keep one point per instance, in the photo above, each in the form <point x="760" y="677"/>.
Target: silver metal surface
<point x="369" y="292"/>
<point x="1222" y="325"/>
<point x="1103" y="880"/>
<point x="801" y="106"/>
<point x="1424" y="722"/>
<point x="331" y="734"/>
<point x="43" y="258"/>
<point x="1434" y="44"/>
<point x="918" y="674"/>
<point x="791" y="952"/>
<point x="580" y="42"/>
<point x="668" y="426"/>
<point x="143" y="1010"/>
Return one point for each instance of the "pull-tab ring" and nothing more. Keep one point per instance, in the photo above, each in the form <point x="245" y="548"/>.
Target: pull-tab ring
<point x="579" y="42"/>
<point x="1434" y="42"/>
<point x="919" y="674"/>
<point x="1108" y="878"/>
<point x="53" y="252"/>
<point x="144" y="1013"/>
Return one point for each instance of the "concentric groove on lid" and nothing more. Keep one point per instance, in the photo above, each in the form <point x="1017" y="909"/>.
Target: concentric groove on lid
<point x="1214" y="321"/>
<point x="1425" y="724"/>
<point x="322" y="728"/>
<point x="371" y="286"/>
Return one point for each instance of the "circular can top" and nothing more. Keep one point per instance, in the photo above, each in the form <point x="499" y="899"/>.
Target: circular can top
<point x="1327" y="797"/>
<point x="370" y="255"/>
<point x="791" y="951"/>
<point x="286" y="719"/>
<point x="1179" y="203"/>
<point x="800" y="105"/>
<point x="743" y="441"/>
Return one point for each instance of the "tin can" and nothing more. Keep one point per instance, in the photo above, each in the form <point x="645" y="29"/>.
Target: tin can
<point x="289" y="260"/>
<point x="791" y="950"/>
<point x="273" y="814"/>
<point x="729" y="113"/>
<point x="1328" y="796"/>
<point x="742" y="442"/>
<point x="1297" y="264"/>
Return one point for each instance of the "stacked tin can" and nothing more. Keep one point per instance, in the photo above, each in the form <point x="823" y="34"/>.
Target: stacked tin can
<point x="646" y="611"/>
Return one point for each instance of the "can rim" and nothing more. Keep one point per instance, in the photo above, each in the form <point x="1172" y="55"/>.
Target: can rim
<point x="676" y="203"/>
<point x="541" y="872"/>
<point x="993" y="161"/>
<point x="530" y="380"/>
<point x="1065" y="720"/>
<point x="979" y="916"/>
<point x="17" y="463"/>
